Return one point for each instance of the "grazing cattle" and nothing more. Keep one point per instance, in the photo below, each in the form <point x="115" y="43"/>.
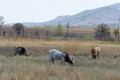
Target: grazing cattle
<point x="59" y="55"/>
<point x="20" y="51"/>
<point x="95" y="52"/>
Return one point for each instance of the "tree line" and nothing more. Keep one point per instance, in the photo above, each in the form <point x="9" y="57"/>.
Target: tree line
<point x="102" y="31"/>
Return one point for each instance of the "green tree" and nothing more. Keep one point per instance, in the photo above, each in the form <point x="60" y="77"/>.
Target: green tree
<point x="102" y="32"/>
<point x="116" y="32"/>
<point x="19" y="28"/>
<point x="59" y="30"/>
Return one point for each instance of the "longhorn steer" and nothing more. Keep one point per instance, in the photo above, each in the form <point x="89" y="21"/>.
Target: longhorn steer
<point x="59" y="55"/>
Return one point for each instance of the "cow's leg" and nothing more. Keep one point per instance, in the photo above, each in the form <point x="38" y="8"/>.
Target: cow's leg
<point x="63" y="61"/>
<point x="15" y="53"/>
<point x="20" y="54"/>
<point x="52" y="61"/>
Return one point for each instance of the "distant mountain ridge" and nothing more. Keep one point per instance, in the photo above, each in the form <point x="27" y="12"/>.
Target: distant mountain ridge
<point x="107" y="14"/>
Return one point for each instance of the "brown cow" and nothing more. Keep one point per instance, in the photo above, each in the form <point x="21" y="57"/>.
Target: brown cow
<point x="95" y="52"/>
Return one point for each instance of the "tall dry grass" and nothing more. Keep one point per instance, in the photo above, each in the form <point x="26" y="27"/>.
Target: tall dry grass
<point x="72" y="46"/>
<point x="37" y="67"/>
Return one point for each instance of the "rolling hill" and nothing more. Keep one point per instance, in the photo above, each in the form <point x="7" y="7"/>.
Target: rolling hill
<point x="107" y="14"/>
<point x="89" y="18"/>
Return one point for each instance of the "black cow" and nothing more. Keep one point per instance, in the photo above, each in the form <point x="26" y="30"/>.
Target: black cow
<point x="20" y="51"/>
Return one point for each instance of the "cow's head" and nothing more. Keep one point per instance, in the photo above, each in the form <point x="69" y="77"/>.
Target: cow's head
<point x="15" y="50"/>
<point x="67" y="59"/>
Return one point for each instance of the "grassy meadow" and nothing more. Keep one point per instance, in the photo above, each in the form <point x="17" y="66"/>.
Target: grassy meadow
<point x="37" y="67"/>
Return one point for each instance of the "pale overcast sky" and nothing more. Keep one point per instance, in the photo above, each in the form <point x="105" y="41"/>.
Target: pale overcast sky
<point x="44" y="10"/>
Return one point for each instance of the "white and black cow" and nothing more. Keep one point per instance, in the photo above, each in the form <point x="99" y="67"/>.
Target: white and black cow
<point x="19" y="50"/>
<point x="59" y="55"/>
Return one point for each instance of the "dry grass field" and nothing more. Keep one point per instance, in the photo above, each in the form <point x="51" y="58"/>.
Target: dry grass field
<point x="37" y="67"/>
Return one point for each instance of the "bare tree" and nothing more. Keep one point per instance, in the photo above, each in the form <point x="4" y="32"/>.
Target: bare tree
<point x="116" y="32"/>
<point x="67" y="30"/>
<point x="47" y="34"/>
<point x="102" y="32"/>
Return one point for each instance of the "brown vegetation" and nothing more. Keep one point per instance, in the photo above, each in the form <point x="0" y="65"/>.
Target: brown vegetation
<point x="37" y="67"/>
<point x="50" y="33"/>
